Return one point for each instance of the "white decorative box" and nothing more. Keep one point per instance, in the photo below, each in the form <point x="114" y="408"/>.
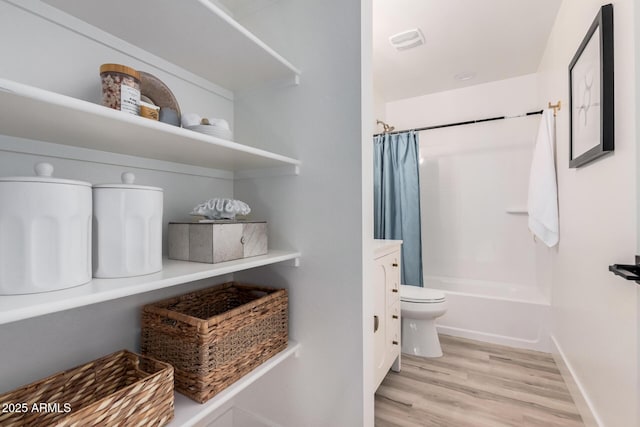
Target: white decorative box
<point x="217" y="241"/>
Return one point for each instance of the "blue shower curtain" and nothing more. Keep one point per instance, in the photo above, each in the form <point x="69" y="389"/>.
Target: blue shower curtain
<point x="397" y="199"/>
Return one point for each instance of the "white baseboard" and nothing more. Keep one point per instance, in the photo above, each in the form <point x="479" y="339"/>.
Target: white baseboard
<point x="580" y="398"/>
<point x="541" y="344"/>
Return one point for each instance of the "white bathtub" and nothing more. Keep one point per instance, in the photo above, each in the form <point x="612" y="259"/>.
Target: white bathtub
<point x="513" y="315"/>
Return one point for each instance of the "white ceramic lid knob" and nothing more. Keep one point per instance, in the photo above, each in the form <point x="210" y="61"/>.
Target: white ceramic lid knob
<point x="43" y="169"/>
<point x="128" y="178"/>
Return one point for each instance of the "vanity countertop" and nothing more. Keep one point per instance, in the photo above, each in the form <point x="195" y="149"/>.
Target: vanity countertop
<point x="382" y="247"/>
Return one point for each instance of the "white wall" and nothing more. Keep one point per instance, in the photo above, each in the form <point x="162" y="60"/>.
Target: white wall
<point x="368" y="104"/>
<point x="470" y="176"/>
<point x="595" y="314"/>
<point x="321" y="210"/>
<point x="379" y="110"/>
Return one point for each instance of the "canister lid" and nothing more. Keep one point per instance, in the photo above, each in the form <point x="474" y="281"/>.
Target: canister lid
<point x="128" y="179"/>
<point x="44" y="174"/>
<point x="117" y="68"/>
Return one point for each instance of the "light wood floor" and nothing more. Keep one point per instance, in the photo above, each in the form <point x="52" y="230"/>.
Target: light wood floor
<point x="476" y="384"/>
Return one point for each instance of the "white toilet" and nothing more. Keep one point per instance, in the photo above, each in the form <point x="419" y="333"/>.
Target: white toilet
<point x="419" y="309"/>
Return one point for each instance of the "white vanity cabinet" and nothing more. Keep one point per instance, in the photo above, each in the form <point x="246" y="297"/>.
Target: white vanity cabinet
<point x="386" y="321"/>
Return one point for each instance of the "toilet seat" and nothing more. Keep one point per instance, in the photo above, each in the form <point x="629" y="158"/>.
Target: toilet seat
<point x="420" y="295"/>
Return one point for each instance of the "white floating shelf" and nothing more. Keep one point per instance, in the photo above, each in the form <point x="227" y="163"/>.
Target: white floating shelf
<point x="32" y="113"/>
<point x="190" y="413"/>
<point x="194" y="34"/>
<point x="19" y="307"/>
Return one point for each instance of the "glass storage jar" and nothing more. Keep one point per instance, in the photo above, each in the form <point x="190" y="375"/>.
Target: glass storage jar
<point x="120" y="88"/>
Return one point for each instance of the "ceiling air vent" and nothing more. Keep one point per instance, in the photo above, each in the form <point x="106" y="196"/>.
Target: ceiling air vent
<point x="407" y="39"/>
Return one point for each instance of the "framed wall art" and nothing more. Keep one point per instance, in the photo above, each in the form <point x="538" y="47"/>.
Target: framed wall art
<point x="591" y="93"/>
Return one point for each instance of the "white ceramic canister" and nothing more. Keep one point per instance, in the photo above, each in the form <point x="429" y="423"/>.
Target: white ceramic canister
<point x="45" y="233"/>
<point x="127" y="229"/>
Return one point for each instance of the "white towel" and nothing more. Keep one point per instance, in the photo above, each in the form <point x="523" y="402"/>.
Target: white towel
<point x="543" y="190"/>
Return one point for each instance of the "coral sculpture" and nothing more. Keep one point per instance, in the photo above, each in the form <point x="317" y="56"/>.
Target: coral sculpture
<point x="221" y="209"/>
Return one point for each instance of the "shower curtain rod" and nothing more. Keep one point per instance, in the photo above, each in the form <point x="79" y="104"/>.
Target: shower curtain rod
<point x="468" y="122"/>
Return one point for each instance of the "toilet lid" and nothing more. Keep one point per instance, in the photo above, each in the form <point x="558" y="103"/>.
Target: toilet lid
<point x="420" y="295"/>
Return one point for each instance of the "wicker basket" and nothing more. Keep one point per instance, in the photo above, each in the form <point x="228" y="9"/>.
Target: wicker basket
<point x="116" y="390"/>
<point x="215" y="336"/>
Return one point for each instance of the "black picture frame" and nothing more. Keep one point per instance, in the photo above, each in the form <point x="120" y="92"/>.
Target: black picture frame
<point x="590" y="136"/>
